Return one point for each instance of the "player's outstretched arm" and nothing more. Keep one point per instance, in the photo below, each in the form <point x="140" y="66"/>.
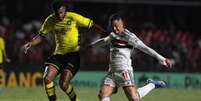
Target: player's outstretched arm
<point x="164" y="61"/>
<point x="36" y="40"/>
<point x="100" y="42"/>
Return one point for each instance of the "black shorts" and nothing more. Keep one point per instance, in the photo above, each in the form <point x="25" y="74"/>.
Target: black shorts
<point x="70" y="61"/>
<point x="1" y="66"/>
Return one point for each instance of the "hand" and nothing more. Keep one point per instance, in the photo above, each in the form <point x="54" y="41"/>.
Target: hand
<point x="26" y="47"/>
<point x="168" y="63"/>
<point x="7" y="60"/>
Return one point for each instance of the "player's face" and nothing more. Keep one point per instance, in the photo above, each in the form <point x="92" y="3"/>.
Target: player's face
<point x="118" y="26"/>
<point x="60" y="13"/>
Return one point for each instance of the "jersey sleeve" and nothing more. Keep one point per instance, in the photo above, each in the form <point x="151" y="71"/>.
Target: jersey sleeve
<point x="46" y="27"/>
<point x="133" y="39"/>
<point x="82" y="21"/>
<point x="137" y="43"/>
<point x="102" y="41"/>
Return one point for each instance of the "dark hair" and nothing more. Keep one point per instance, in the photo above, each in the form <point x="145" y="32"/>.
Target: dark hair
<point x="56" y="4"/>
<point x="113" y="17"/>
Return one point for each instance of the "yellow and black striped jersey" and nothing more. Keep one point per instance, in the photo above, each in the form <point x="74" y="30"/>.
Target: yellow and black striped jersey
<point x="65" y="31"/>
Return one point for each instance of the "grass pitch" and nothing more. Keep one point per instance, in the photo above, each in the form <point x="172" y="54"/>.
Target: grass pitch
<point x="90" y="94"/>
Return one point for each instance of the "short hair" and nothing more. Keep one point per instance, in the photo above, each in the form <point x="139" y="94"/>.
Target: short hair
<point x="113" y="17"/>
<point x="56" y="4"/>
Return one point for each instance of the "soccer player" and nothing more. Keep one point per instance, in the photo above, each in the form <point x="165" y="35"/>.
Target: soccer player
<point x="65" y="59"/>
<point x="120" y="74"/>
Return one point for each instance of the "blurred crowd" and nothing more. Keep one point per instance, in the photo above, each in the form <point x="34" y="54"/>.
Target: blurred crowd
<point x="184" y="46"/>
<point x="16" y="36"/>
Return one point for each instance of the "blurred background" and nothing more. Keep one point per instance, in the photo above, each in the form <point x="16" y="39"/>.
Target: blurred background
<point x="171" y="27"/>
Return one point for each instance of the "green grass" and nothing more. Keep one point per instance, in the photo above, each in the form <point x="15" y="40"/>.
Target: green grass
<point x="90" y="94"/>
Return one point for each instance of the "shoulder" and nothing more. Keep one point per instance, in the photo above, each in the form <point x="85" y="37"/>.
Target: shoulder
<point x="113" y="35"/>
<point x="72" y="14"/>
<point x="50" y="18"/>
<point x="129" y="33"/>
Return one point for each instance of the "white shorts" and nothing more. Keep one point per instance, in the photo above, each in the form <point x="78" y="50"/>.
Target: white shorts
<point x="119" y="78"/>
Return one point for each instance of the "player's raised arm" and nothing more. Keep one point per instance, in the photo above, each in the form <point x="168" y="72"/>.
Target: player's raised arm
<point x="44" y="30"/>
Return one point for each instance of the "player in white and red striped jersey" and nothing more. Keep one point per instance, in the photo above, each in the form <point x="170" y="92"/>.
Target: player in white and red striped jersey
<point x="122" y="44"/>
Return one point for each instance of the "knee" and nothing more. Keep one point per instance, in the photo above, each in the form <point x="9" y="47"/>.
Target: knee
<point x="46" y="80"/>
<point x="134" y="98"/>
<point x="102" y="95"/>
<point x="103" y="98"/>
<point x="63" y="86"/>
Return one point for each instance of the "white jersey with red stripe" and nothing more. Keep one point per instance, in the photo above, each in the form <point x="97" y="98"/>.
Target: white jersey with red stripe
<point x="120" y="51"/>
<point x="121" y="47"/>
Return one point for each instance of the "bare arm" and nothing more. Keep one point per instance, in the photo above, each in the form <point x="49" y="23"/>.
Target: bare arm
<point x="35" y="41"/>
<point x="100" y="29"/>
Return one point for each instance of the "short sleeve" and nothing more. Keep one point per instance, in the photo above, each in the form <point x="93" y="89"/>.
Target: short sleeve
<point x="46" y="27"/>
<point x="82" y="21"/>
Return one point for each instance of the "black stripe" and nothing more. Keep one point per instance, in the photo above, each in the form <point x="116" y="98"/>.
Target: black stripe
<point x="50" y="87"/>
<point x="89" y="23"/>
<point x="52" y="98"/>
<point x="79" y="39"/>
<point x="70" y="91"/>
<point x="125" y="46"/>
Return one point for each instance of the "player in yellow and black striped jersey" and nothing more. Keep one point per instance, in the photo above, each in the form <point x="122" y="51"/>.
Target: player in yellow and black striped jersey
<point x="65" y="59"/>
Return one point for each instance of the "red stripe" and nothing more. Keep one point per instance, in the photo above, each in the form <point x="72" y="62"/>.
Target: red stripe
<point x="120" y="41"/>
<point x="125" y="75"/>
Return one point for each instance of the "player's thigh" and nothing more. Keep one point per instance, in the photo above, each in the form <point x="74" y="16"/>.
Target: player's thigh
<point x="72" y="62"/>
<point x="131" y="92"/>
<point x="50" y="73"/>
<point x="66" y="76"/>
<point x="105" y="90"/>
<point x="69" y="71"/>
